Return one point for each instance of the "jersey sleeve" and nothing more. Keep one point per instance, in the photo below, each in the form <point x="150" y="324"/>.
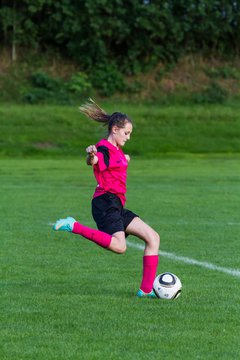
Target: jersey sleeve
<point x="103" y="157"/>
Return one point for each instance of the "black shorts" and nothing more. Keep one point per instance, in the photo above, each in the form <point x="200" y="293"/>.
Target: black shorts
<point x="109" y="214"/>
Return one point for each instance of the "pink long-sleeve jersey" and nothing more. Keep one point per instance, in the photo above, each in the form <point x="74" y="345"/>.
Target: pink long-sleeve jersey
<point x="110" y="170"/>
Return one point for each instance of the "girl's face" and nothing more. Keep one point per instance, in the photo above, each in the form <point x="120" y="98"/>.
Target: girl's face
<point x="121" y="135"/>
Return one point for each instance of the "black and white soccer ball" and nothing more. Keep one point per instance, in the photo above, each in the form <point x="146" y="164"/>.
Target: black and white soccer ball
<point x="167" y="286"/>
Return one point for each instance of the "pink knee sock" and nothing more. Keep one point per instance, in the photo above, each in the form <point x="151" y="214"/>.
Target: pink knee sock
<point x="150" y="264"/>
<point x="99" y="237"/>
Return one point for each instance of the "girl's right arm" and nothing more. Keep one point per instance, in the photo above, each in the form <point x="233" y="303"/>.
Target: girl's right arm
<point x="92" y="159"/>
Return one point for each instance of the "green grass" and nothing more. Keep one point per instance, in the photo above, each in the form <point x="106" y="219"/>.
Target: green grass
<point x="56" y="131"/>
<point x="63" y="297"/>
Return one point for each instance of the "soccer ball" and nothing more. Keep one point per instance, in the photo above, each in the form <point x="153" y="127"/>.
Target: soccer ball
<point x="167" y="286"/>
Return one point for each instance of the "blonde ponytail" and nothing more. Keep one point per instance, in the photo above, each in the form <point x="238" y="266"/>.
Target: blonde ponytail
<point x="94" y="112"/>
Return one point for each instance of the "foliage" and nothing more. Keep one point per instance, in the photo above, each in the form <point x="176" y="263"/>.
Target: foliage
<point x="134" y="35"/>
<point x="107" y="79"/>
<point x="225" y="72"/>
<point x="43" y="87"/>
<point x="80" y="84"/>
<point x="213" y="94"/>
<point x="43" y="80"/>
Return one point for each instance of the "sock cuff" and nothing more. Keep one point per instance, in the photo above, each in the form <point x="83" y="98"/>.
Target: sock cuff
<point x="150" y="260"/>
<point x="77" y="227"/>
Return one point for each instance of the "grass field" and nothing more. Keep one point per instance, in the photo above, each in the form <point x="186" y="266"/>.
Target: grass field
<point x="57" y="131"/>
<point x="63" y="298"/>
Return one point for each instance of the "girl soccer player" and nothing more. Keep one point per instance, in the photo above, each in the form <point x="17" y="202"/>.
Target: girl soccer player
<point x="114" y="222"/>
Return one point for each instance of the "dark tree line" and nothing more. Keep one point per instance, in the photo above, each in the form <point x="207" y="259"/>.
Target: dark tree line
<point x="127" y="34"/>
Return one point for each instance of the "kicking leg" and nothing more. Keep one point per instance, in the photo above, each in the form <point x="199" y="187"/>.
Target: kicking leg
<point x="115" y="242"/>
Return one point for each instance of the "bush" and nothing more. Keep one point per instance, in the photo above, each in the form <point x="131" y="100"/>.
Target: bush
<point x="44" y="88"/>
<point x="107" y="79"/>
<point x="34" y="96"/>
<point x="38" y="95"/>
<point x="134" y="87"/>
<point x="45" y="81"/>
<point x="80" y="84"/>
<point x="213" y="94"/>
<point x="225" y="72"/>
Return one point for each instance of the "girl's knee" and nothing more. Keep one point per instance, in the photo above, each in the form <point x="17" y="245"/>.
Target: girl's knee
<point x="154" y="240"/>
<point x="121" y="248"/>
<point x="158" y="238"/>
<point x="118" y="245"/>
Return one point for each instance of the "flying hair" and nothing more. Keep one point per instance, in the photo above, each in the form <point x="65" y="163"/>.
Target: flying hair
<point x="94" y="112"/>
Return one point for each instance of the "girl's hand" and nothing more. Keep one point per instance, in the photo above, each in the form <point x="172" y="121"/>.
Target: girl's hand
<point x="127" y="157"/>
<point x="91" y="149"/>
<point x="91" y="158"/>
